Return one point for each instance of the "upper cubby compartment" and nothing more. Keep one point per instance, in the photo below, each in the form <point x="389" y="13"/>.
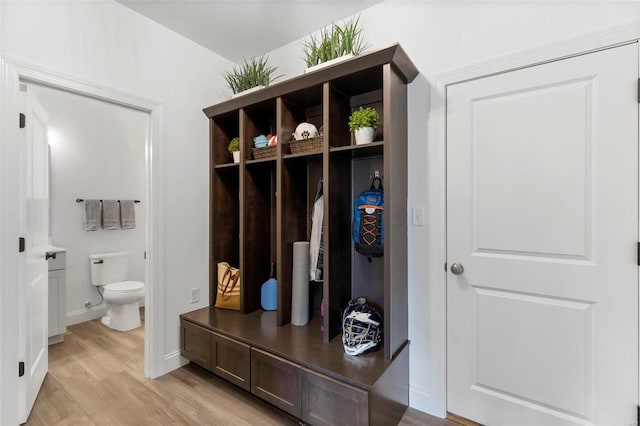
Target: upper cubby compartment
<point x="257" y="120"/>
<point x="224" y="127"/>
<point x="295" y="108"/>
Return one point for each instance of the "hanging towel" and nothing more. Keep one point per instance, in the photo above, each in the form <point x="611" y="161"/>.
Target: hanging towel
<point x="91" y="215"/>
<point x="110" y="214"/>
<point x="316" y="249"/>
<point x="128" y="214"/>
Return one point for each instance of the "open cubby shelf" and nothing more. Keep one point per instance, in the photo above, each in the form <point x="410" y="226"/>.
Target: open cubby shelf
<point x="259" y="207"/>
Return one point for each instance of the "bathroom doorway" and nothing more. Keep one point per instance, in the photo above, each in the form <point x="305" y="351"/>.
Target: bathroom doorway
<point x="96" y="151"/>
<point x="13" y="76"/>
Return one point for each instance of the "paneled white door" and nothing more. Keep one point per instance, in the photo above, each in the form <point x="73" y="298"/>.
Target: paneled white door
<point x="34" y="224"/>
<point x="542" y="216"/>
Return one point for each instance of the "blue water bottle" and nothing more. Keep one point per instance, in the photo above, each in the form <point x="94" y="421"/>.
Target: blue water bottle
<point x="269" y="293"/>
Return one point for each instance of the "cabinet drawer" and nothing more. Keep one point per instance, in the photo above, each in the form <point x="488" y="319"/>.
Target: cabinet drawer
<point x="196" y="344"/>
<point x="326" y="401"/>
<point x="231" y="360"/>
<point x="276" y="380"/>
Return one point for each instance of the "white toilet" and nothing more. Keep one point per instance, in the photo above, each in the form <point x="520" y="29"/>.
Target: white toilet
<point x="109" y="270"/>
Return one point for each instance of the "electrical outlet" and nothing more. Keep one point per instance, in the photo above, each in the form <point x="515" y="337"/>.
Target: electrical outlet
<point x="417" y="214"/>
<point x="195" y="295"/>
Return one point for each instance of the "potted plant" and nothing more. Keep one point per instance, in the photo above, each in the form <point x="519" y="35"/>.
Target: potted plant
<point x="234" y="148"/>
<point x="333" y="44"/>
<point x="253" y="73"/>
<point x="363" y="122"/>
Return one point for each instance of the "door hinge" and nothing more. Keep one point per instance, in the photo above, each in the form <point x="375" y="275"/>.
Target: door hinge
<point x="22" y="121"/>
<point x="21" y="244"/>
<point x="638" y="254"/>
<point x="638" y="416"/>
<point x="145" y="254"/>
<point x="445" y="266"/>
<point x="21" y="369"/>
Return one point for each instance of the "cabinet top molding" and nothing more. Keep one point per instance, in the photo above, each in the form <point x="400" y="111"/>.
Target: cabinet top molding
<point x="394" y="55"/>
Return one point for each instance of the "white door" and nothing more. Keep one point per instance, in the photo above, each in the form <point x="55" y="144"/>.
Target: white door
<point x="542" y="214"/>
<point x="34" y="224"/>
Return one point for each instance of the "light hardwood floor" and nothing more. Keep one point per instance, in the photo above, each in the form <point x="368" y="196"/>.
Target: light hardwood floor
<point x="96" y="377"/>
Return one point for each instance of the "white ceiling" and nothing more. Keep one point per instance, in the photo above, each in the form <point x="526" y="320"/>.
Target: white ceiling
<point x="238" y="29"/>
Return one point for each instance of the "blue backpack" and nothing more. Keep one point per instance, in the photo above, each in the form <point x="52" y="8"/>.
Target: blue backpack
<point x="368" y="221"/>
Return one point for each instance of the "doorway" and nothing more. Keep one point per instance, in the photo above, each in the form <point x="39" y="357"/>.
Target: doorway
<point x="13" y="75"/>
<point x="542" y="224"/>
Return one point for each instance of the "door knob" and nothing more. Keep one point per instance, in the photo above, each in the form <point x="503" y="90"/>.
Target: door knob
<point x="457" y="269"/>
<point x="49" y="255"/>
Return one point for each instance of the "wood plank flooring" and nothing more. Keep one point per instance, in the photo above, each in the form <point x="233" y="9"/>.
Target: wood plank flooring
<point x="96" y="377"/>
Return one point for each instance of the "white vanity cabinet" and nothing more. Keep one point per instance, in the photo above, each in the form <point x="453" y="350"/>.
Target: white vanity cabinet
<point x="57" y="295"/>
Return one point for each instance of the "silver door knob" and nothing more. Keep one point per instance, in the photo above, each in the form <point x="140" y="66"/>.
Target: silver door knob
<point x="457" y="269"/>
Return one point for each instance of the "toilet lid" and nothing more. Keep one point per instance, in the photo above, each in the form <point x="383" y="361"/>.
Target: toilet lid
<point x="125" y="286"/>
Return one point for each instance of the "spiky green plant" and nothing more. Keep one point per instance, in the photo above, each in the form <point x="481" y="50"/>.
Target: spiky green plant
<point x="253" y="72"/>
<point x="331" y="43"/>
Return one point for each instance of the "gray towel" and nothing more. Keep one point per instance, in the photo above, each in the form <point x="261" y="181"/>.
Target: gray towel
<point x="128" y="214"/>
<point x="110" y="214"/>
<point x="91" y="219"/>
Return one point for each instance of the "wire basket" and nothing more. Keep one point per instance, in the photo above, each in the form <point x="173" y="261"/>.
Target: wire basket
<point x="306" y="145"/>
<point x="266" y="152"/>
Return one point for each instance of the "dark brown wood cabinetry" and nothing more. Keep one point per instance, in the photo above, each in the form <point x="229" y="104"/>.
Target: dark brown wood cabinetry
<point x="230" y="360"/>
<point x="326" y="401"/>
<point x="259" y="207"/>
<point x="276" y="380"/>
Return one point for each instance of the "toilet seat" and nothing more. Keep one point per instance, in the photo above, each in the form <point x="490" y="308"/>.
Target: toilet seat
<point x="125" y="286"/>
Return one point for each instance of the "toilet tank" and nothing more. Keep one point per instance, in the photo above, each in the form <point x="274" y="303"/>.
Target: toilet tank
<point x="108" y="268"/>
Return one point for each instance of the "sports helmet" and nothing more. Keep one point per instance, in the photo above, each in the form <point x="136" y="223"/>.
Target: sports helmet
<point x="305" y="131"/>
<point x="361" y="327"/>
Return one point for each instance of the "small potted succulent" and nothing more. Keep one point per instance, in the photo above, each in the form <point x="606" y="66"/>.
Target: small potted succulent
<point x="363" y="122"/>
<point x="254" y="73"/>
<point x="234" y="148"/>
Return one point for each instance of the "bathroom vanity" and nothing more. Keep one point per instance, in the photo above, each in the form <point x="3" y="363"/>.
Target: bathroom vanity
<point x="57" y="260"/>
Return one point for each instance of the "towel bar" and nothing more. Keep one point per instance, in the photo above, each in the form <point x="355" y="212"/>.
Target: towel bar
<point x="81" y="200"/>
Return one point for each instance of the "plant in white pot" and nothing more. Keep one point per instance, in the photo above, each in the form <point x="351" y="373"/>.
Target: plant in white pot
<point x="363" y="122"/>
<point x="234" y="149"/>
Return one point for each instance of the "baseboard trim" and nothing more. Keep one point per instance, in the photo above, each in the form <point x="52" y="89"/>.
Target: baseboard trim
<point x="173" y="361"/>
<point x="84" y="315"/>
<point x="420" y="399"/>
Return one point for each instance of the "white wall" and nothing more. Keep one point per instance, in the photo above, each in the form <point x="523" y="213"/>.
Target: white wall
<point x="440" y="36"/>
<point x="97" y="151"/>
<point x="108" y="44"/>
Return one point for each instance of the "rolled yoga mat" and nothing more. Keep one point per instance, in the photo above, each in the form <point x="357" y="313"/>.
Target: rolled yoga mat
<point x="300" y="284"/>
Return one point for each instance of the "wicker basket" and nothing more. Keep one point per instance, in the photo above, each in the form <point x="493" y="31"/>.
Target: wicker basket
<point x="306" y="145"/>
<point x="266" y="152"/>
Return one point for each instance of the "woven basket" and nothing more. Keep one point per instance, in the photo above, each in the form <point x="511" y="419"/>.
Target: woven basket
<point x="266" y="152"/>
<point x="306" y="145"/>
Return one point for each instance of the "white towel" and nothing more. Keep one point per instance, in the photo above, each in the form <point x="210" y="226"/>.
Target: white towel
<point x="110" y="214"/>
<point x="128" y="214"/>
<point x="91" y="215"/>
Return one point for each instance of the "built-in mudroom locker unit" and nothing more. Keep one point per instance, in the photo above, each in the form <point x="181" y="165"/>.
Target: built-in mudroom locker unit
<point x="262" y="204"/>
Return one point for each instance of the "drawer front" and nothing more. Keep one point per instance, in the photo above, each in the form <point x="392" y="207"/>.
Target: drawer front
<point x="196" y="344"/>
<point x="60" y="262"/>
<point x="231" y="360"/>
<point x="276" y="380"/>
<point x="326" y="401"/>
